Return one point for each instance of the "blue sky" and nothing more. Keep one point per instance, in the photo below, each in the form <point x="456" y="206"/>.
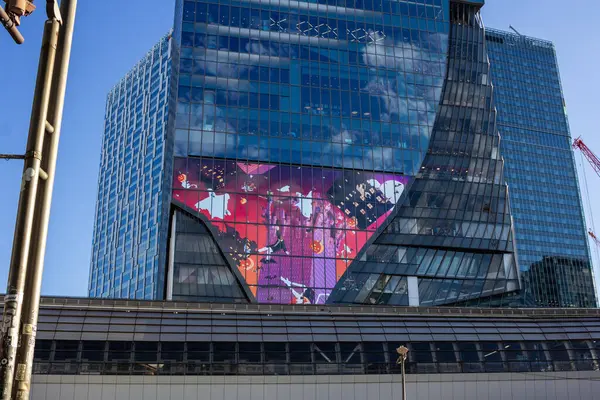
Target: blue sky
<point x="108" y="42"/>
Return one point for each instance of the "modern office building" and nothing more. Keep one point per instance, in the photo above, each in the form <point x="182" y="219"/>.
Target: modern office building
<point x="329" y="153"/>
<point x="123" y="349"/>
<point x="132" y="208"/>
<point x="339" y="153"/>
<point x="551" y="236"/>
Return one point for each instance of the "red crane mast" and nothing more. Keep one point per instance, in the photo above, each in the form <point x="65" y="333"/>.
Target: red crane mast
<point x="591" y="157"/>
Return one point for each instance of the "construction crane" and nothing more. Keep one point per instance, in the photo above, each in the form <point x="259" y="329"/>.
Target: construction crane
<point x="591" y="157"/>
<point x="594" y="238"/>
<point x="595" y="163"/>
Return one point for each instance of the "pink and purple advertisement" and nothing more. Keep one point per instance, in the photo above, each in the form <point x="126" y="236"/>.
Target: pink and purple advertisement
<point x="292" y="231"/>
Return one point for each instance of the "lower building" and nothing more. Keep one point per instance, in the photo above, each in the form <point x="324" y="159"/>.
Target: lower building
<point x="559" y="282"/>
<point x="125" y="350"/>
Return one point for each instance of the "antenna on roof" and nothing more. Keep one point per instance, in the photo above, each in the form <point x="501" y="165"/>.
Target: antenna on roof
<point x="516" y="31"/>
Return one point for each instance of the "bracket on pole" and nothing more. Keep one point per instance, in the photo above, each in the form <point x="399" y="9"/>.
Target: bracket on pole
<point x="11" y="27"/>
<point x="53" y="11"/>
<point x="12" y="157"/>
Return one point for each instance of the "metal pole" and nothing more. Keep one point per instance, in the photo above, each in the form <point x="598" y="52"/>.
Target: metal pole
<point x="13" y="300"/>
<point x="43" y="204"/>
<point x="11" y="27"/>
<point x="403" y="353"/>
<point x="403" y="380"/>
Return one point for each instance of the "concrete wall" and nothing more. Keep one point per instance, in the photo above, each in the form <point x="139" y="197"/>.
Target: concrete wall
<point x="530" y="386"/>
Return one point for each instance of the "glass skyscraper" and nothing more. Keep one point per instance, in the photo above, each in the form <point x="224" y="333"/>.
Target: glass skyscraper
<point x="132" y="208"/>
<point x="339" y="151"/>
<point x="550" y="228"/>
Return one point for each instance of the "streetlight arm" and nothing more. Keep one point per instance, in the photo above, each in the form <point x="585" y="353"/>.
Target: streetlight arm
<point x="11" y="27"/>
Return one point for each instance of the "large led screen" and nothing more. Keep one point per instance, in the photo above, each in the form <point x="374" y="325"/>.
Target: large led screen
<point x="291" y="231"/>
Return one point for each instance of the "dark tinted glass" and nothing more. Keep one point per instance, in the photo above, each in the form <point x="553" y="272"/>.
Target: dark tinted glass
<point x="468" y="352"/>
<point x="421" y="353"/>
<point x="146" y="351"/>
<point x="325" y="353"/>
<point x="300" y="352"/>
<point x="445" y="352"/>
<point x="350" y="354"/>
<point x="198" y="351"/>
<point x="42" y="350"/>
<point x="119" y="351"/>
<point x="224" y="352"/>
<point x="558" y="351"/>
<point x="249" y="352"/>
<point x="66" y="350"/>
<point x="172" y="351"/>
<point x="275" y="352"/>
<point x="93" y="351"/>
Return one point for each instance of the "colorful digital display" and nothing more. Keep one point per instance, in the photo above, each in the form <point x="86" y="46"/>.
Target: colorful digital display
<point x="291" y="230"/>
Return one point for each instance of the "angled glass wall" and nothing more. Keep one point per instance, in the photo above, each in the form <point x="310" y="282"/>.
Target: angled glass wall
<point x="452" y="240"/>
<point x="199" y="270"/>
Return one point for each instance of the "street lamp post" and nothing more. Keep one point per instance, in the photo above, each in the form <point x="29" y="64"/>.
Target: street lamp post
<point x="402" y="354"/>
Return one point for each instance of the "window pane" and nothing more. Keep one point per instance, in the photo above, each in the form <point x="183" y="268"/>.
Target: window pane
<point x="515" y="357"/>
<point x="172" y="351"/>
<point x="42" y="350"/>
<point x="558" y="351"/>
<point x="224" y="352"/>
<point x="249" y="352"/>
<point x="537" y="357"/>
<point x="446" y="358"/>
<point x="582" y="357"/>
<point x="300" y="353"/>
<point x="421" y="353"/>
<point x="445" y="352"/>
<point x="66" y="350"/>
<point x="492" y="357"/>
<point x="559" y="355"/>
<point x="119" y="351"/>
<point x="469" y="357"/>
<point x="275" y="352"/>
<point x="350" y="357"/>
<point x="374" y="358"/>
<point x="146" y="351"/>
<point x="324" y="353"/>
<point x="198" y="351"/>
<point x="93" y="351"/>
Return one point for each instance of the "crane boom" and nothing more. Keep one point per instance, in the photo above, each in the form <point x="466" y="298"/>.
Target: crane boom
<point x="589" y="155"/>
<point x="595" y="238"/>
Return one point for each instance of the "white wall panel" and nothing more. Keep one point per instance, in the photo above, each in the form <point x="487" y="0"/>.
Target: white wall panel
<point x="558" y="386"/>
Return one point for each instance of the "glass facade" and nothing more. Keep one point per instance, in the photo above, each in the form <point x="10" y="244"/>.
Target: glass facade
<point x="166" y="338"/>
<point x="58" y="357"/>
<point x="132" y="349"/>
<point x="132" y="208"/>
<point x="307" y="131"/>
<point x="308" y="153"/>
<point x="199" y="270"/>
<point x="452" y="236"/>
<point x="550" y="228"/>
